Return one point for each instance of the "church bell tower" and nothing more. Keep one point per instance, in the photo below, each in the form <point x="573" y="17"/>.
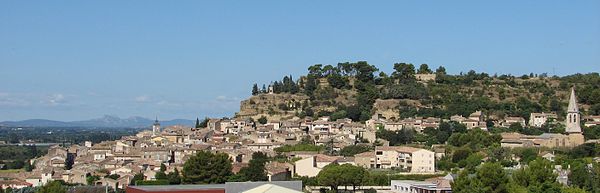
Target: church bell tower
<point x="573" y="116"/>
<point x="156" y="127"/>
<point x="573" y="123"/>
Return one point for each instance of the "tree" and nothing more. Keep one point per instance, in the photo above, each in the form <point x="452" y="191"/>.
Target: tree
<point x="527" y="155"/>
<point x="538" y="176"/>
<point x="404" y="71"/>
<point x="255" y="171"/>
<point x="174" y="177"/>
<point x="424" y="69"/>
<point x="28" y="166"/>
<point x="91" y="179"/>
<point x="160" y="175"/>
<point x="137" y="177"/>
<point x="334" y="175"/>
<point x="491" y="177"/>
<point x="262" y="120"/>
<point x="53" y="187"/>
<point x="330" y="176"/>
<point x="204" y="123"/>
<point x="440" y="71"/>
<point x="197" y="123"/>
<point x="352" y="150"/>
<point x="255" y="90"/>
<point x="207" y="168"/>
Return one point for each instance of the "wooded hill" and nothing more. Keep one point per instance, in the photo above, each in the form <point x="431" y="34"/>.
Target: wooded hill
<point x="359" y="90"/>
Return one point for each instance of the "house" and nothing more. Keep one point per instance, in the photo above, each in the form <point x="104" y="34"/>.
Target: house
<point x="365" y="159"/>
<point x="107" y="182"/>
<point x="539" y="119"/>
<point x="592" y="120"/>
<point x="475" y="120"/>
<point x="35" y="181"/>
<point x="413" y="160"/>
<point x="279" y="171"/>
<point x="311" y="166"/>
<point x="14" y="184"/>
<point x="508" y="121"/>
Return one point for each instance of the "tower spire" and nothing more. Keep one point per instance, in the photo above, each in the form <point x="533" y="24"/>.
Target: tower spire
<point x="573" y="102"/>
<point x="573" y="116"/>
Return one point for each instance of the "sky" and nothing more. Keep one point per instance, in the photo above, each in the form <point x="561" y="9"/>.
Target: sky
<point x="76" y="60"/>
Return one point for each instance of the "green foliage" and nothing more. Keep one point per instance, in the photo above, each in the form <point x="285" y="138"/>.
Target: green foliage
<point x="21" y="152"/>
<point x="197" y="123"/>
<point x="255" y="171"/>
<point x="527" y="155"/>
<point x="70" y="161"/>
<point x="338" y="115"/>
<point x="592" y="132"/>
<point x="474" y="139"/>
<point x="472" y="161"/>
<point x="160" y="175"/>
<point x="113" y="176"/>
<point x="299" y="147"/>
<point x="408" y="90"/>
<point x="403" y="71"/>
<point x="255" y="89"/>
<point x="334" y="175"/>
<point x="152" y="182"/>
<point x="91" y="179"/>
<point x="204" y="123"/>
<point x="424" y="69"/>
<point x="538" y="176"/>
<point x="400" y="137"/>
<point x="262" y="120"/>
<point x="174" y="177"/>
<point x="207" y="168"/>
<point x="491" y="177"/>
<point x="584" y="176"/>
<point x="53" y="187"/>
<point x="137" y="177"/>
<point x="449" y="95"/>
<point x="352" y="150"/>
<point x="585" y="150"/>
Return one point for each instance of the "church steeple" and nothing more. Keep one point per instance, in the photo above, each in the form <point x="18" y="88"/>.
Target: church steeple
<point x="156" y="127"/>
<point x="573" y="102"/>
<point x="573" y="116"/>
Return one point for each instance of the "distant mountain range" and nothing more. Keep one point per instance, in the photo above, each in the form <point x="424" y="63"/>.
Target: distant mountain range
<point x="106" y="121"/>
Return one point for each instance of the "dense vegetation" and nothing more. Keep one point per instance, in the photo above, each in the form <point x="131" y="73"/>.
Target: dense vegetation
<point x="538" y="176"/>
<point x="352" y="88"/>
<point x="64" y="135"/>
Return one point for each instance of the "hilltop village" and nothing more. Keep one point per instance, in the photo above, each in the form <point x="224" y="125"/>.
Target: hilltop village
<point x="116" y="163"/>
<point x="345" y="127"/>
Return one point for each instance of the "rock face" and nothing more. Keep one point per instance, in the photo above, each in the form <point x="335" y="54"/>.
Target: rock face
<point x="273" y="106"/>
<point x="390" y="108"/>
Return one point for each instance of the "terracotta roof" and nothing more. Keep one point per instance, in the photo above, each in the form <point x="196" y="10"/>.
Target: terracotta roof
<point x="366" y="154"/>
<point x="14" y="182"/>
<point x="325" y="158"/>
<point x="397" y="148"/>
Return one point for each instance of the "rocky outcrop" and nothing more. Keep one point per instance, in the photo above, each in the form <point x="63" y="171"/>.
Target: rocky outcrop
<point x="273" y="106"/>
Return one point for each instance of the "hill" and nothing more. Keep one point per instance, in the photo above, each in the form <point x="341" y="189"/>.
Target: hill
<point x="106" y="121"/>
<point x="359" y="90"/>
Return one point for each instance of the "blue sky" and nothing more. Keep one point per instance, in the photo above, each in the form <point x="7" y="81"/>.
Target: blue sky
<point x="72" y="60"/>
